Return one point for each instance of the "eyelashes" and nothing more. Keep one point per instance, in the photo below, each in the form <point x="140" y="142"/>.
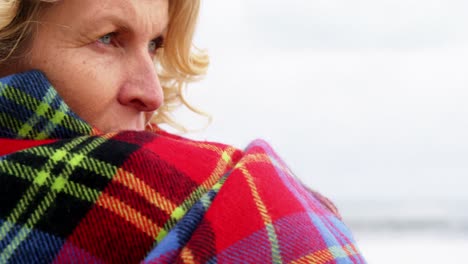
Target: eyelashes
<point x="107" y="39"/>
<point x="110" y="39"/>
<point x="156" y="44"/>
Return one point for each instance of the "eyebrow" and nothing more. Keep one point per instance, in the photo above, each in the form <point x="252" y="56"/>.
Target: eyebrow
<point x="119" y="22"/>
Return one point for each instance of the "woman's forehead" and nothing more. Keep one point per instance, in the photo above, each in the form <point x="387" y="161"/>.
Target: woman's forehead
<point x="130" y="13"/>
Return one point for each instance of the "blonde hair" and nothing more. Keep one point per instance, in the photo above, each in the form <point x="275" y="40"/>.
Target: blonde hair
<point x="178" y="63"/>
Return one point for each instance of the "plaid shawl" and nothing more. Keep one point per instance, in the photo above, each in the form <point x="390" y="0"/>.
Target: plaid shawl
<point x="70" y="194"/>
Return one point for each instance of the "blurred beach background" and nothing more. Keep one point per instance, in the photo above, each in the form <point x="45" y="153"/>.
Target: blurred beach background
<point x="366" y="100"/>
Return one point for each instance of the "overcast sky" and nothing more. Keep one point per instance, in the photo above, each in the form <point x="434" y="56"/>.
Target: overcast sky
<point x="363" y="99"/>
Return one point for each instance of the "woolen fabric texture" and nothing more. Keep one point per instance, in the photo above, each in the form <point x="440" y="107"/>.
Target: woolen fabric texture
<point x="70" y="194"/>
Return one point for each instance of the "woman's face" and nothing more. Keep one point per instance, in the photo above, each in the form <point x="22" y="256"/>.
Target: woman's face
<point x="99" y="54"/>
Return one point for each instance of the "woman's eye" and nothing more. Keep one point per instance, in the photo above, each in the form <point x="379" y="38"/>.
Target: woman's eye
<point x="106" y="39"/>
<point x="155" y="44"/>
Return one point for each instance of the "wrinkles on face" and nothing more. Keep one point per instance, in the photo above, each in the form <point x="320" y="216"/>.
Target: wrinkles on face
<point x="94" y="75"/>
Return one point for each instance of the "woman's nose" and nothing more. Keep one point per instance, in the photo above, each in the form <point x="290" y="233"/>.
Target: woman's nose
<point x="141" y="90"/>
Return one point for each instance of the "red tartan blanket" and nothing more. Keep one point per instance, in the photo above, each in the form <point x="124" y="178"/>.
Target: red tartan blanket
<point x="72" y="195"/>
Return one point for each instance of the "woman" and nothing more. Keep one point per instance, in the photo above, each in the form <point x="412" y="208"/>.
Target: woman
<point x="86" y="175"/>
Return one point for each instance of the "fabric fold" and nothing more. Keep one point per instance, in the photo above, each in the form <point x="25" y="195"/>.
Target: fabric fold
<point x="70" y="194"/>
